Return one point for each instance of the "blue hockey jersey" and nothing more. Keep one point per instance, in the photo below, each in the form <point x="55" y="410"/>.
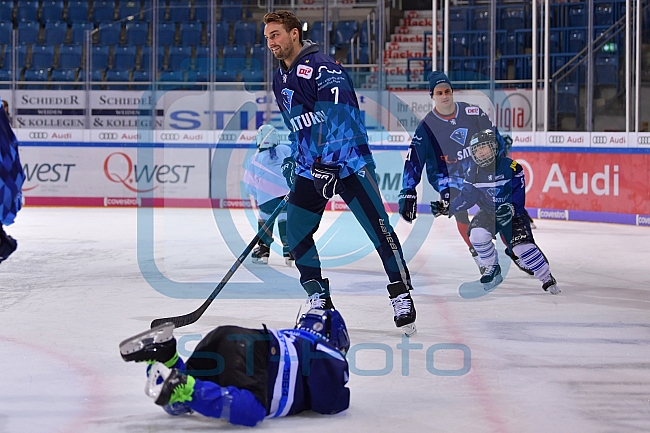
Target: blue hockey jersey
<point x="443" y="146"/>
<point x="11" y="173"/>
<point x="320" y="107"/>
<point x="490" y="189"/>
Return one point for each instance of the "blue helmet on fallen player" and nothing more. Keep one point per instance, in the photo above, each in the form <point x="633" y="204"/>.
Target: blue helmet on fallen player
<point x="327" y="324"/>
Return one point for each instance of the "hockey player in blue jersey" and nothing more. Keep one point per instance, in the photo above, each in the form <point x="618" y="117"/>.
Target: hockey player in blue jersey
<point x="497" y="185"/>
<point x="330" y="144"/>
<point x="244" y="375"/>
<point x="11" y="181"/>
<point x="266" y="184"/>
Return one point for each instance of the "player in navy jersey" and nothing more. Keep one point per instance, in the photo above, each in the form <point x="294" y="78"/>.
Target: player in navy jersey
<point x="331" y="156"/>
<point x="11" y="181"/>
<point x="497" y="185"/>
<point x="244" y="375"/>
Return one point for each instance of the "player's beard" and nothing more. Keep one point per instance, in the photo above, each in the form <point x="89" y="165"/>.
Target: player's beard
<point x="284" y="52"/>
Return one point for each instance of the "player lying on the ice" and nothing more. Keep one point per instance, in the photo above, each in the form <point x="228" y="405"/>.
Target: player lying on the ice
<point x="244" y="375"/>
<point x="496" y="184"/>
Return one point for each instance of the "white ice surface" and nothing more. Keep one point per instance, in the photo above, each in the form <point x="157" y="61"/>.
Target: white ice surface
<point x="575" y="362"/>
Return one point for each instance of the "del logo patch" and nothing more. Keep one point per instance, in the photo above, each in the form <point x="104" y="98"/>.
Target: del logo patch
<point x="472" y="111"/>
<point x="304" y="71"/>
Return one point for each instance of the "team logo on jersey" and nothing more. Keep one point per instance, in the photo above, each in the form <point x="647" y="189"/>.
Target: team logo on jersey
<point x="287" y="96"/>
<point x="304" y="71"/>
<point x="493" y="192"/>
<point x="328" y="71"/>
<point x="459" y="136"/>
<point x="472" y="111"/>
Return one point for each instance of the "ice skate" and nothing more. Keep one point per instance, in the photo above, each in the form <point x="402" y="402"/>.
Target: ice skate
<point x="404" y="310"/>
<point x="491" y="277"/>
<point x="7" y="245"/>
<point x="518" y="262"/>
<point x="319" y="294"/>
<point x="261" y="254"/>
<point x="550" y="285"/>
<point x="289" y="260"/>
<point x="481" y="268"/>
<point x="157" y="344"/>
<point x="168" y="386"/>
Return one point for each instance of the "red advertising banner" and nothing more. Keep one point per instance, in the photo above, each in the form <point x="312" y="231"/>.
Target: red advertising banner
<point x="586" y="181"/>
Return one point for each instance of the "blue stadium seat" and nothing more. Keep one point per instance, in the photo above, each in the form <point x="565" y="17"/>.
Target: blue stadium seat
<point x="577" y="16"/>
<point x="56" y="32"/>
<point x="109" y="33"/>
<point x="70" y="56"/>
<point x="222" y="31"/>
<point x="345" y="31"/>
<point x="512" y="18"/>
<point x="316" y="33"/>
<point x="42" y="56"/>
<point x="7" y="10"/>
<point x="5" y="74"/>
<point x="141" y="75"/>
<point x="457" y="19"/>
<point x="174" y="78"/>
<point x="245" y="33"/>
<point x="51" y="11"/>
<point x="191" y="33"/>
<point x="202" y="54"/>
<point x="27" y="11"/>
<point x="234" y="57"/>
<point x="124" y="57"/>
<point x="225" y="75"/>
<point x="118" y="75"/>
<point x="567" y="99"/>
<point x="64" y="74"/>
<point x="606" y="70"/>
<point x="259" y="54"/>
<point x="603" y="14"/>
<point x="231" y="10"/>
<point x="77" y="11"/>
<point x="459" y="45"/>
<point x="137" y="33"/>
<point x="99" y="57"/>
<point x="253" y="79"/>
<point x="145" y="58"/>
<point x="201" y="11"/>
<point x="480" y="19"/>
<point x="95" y="75"/>
<point x="576" y="41"/>
<point x="28" y="32"/>
<point x="481" y="44"/>
<point x="35" y="75"/>
<point x="103" y="11"/>
<point x="180" y="58"/>
<point x="129" y="8"/>
<point x="78" y="31"/>
<point x="524" y="67"/>
<point x="21" y="57"/>
<point x="5" y="57"/>
<point x="6" y="28"/>
<point x="179" y="11"/>
<point x="166" y="33"/>
<point x="506" y="43"/>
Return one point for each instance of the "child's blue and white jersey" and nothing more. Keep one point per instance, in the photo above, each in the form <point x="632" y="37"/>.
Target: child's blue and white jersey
<point x="305" y="373"/>
<point x="490" y="189"/>
<point x="319" y="106"/>
<point x="442" y="143"/>
<point x="263" y="177"/>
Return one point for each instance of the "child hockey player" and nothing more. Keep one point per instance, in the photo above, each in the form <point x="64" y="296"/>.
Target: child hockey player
<point x="244" y="375"/>
<point x="496" y="184"/>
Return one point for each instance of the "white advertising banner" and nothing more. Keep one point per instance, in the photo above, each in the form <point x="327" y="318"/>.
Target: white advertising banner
<point x="568" y="139"/>
<point x="50" y="109"/>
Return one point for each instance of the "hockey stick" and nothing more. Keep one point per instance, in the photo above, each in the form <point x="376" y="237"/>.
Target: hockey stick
<point x="188" y="319"/>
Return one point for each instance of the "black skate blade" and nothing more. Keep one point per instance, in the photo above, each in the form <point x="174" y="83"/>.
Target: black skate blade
<point x="159" y="334"/>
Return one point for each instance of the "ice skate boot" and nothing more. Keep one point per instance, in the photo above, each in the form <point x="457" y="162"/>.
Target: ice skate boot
<point x="491" y="277"/>
<point x="289" y="260"/>
<point x="7" y="245"/>
<point x="518" y="262"/>
<point x="261" y="254"/>
<point x="404" y="310"/>
<point x="319" y="294"/>
<point x="169" y="386"/>
<point x="481" y="268"/>
<point x="550" y="285"/>
<point x="157" y="344"/>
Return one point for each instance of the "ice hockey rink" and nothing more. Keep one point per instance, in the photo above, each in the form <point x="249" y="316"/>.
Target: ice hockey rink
<point x="515" y="360"/>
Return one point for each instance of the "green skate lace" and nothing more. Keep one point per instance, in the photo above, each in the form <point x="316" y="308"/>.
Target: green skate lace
<point x="168" y="364"/>
<point x="183" y="393"/>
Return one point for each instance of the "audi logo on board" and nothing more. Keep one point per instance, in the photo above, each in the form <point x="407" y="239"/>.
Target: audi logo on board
<point x="229" y="137"/>
<point x="170" y="136"/>
<point x="643" y="140"/>
<point x="395" y="138"/>
<point x="599" y="139"/>
<point x="38" y="135"/>
<point x="556" y="139"/>
<point x="108" y="135"/>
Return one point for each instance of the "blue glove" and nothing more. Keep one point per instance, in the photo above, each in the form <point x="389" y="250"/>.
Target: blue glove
<point x="326" y="179"/>
<point x="288" y="168"/>
<point x="408" y="204"/>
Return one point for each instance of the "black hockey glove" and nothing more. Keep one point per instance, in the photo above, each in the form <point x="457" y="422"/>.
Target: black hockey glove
<point x="326" y="179"/>
<point x="408" y="204"/>
<point x="288" y="168"/>
<point x="440" y="208"/>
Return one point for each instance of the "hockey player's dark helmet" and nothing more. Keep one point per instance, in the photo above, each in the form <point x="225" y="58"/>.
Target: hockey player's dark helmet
<point x="327" y="324"/>
<point x="484" y="139"/>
